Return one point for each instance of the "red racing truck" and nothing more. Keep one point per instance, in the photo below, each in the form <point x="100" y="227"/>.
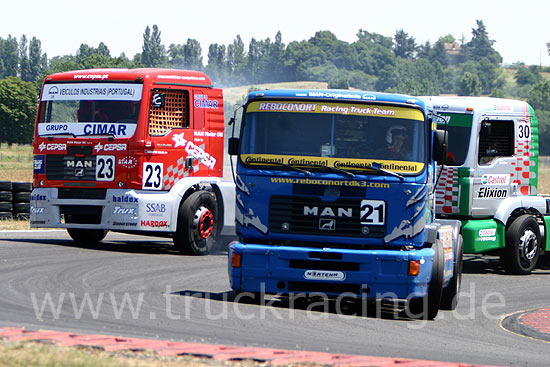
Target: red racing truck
<point x="135" y="151"/>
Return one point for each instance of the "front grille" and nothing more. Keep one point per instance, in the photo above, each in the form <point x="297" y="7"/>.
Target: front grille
<point x="324" y="265"/>
<point x="70" y="168"/>
<point x="79" y="193"/>
<point x="322" y="287"/>
<point x="312" y="216"/>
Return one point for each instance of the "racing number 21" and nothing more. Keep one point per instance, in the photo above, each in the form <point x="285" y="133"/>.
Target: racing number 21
<point x="373" y="212"/>
<point x="105" y="168"/>
<point x="152" y="176"/>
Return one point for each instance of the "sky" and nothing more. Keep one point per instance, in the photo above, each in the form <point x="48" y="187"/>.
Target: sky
<point x="520" y="29"/>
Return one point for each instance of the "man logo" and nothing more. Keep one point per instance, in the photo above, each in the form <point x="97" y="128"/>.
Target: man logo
<point x="327" y="224"/>
<point x="79" y="172"/>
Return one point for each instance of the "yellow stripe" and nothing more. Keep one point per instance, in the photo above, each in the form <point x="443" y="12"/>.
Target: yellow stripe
<point x="342" y="163"/>
<point x="337" y="108"/>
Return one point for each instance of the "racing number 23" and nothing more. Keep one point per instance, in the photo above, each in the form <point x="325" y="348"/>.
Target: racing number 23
<point x="105" y="168"/>
<point x="373" y="212"/>
<point x="152" y="176"/>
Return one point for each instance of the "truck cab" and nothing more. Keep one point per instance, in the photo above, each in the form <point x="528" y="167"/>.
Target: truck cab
<point x="490" y="177"/>
<point x="138" y="151"/>
<point x="335" y="194"/>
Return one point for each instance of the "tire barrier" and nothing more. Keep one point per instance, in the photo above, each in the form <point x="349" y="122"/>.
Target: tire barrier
<point x="15" y="200"/>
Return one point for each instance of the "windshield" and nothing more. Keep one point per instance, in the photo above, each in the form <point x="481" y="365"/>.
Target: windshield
<point x="342" y="135"/>
<point x="89" y="109"/>
<point x="459" y="127"/>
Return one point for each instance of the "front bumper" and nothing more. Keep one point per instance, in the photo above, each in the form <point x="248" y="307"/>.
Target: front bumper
<point x="118" y="209"/>
<point x="373" y="274"/>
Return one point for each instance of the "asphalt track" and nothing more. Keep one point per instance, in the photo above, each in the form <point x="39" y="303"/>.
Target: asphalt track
<point x="140" y="287"/>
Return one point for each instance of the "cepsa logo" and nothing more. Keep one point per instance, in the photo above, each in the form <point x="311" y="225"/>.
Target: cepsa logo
<point x="154" y="223"/>
<point x="52" y="147"/>
<point x="109" y="147"/>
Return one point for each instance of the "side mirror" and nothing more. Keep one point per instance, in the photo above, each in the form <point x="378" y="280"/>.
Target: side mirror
<point x="486" y="129"/>
<point x="233" y="146"/>
<point x="440" y="145"/>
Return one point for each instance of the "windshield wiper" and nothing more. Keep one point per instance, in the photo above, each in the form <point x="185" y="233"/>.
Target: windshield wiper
<point x="333" y="169"/>
<point x="111" y="136"/>
<point x="291" y="167"/>
<point x="378" y="168"/>
<point x="57" y="135"/>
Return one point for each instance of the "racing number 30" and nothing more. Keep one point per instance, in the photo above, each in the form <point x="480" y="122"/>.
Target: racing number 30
<point x="105" y="168"/>
<point x="152" y="176"/>
<point x="373" y="212"/>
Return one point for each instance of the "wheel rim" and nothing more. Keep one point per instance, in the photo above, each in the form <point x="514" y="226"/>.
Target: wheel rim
<point x="203" y="222"/>
<point x="528" y="246"/>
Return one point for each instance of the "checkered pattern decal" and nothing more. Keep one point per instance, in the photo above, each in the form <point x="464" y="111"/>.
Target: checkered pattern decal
<point x="177" y="171"/>
<point x="447" y="191"/>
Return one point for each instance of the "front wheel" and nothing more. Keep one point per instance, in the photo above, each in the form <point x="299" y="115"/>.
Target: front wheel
<point x="451" y="293"/>
<point x="196" y="224"/>
<point x="427" y="307"/>
<point x="522" y="248"/>
<point x="87" y="236"/>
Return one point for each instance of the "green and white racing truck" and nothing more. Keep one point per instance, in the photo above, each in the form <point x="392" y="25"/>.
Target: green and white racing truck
<point x="490" y="178"/>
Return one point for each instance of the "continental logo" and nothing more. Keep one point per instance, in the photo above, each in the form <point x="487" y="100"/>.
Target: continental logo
<point x="308" y="181"/>
<point x="342" y="163"/>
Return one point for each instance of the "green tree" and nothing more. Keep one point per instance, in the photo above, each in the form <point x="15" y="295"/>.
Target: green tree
<point x="481" y="46"/>
<point x="9" y="56"/>
<point x="539" y="96"/>
<point x="404" y="45"/>
<point x="17" y="110"/>
<point x="216" y="62"/>
<point x="38" y="62"/>
<point x="527" y="75"/>
<point x="24" y="63"/>
<point x="153" y="54"/>
<point x="470" y="85"/>
<point x="236" y="61"/>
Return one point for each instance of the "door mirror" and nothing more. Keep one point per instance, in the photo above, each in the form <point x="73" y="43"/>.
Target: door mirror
<point x="486" y="129"/>
<point x="233" y="146"/>
<point x="440" y="145"/>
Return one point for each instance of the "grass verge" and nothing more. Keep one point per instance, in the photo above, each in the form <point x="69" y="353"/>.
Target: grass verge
<point x="33" y="354"/>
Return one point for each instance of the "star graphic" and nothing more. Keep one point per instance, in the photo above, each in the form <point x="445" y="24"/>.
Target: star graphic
<point x="180" y="141"/>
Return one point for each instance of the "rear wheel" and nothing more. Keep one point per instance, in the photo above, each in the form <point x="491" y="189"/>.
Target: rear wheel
<point x="87" y="236"/>
<point x="196" y="224"/>
<point x="522" y="249"/>
<point x="451" y="293"/>
<point x="427" y="307"/>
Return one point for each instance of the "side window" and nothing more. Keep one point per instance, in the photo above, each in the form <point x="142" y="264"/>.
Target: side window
<point x="169" y="109"/>
<point x="496" y="139"/>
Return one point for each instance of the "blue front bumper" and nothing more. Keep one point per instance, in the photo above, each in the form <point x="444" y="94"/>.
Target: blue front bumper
<point x="373" y="274"/>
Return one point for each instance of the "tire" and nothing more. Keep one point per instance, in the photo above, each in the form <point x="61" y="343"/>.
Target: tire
<point x="6" y="206"/>
<point x="522" y="249"/>
<point x="21" y="197"/>
<point x="6" y="216"/>
<point x="427" y="307"/>
<point x="196" y="224"/>
<point x="24" y="208"/>
<point x="5" y="185"/>
<point x="451" y="293"/>
<point x="87" y="236"/>
<point x="21" y="186"/>
<point x="6" y="196"/>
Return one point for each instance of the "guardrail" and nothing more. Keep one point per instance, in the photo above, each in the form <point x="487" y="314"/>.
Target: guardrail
<point x="15" y="200"/>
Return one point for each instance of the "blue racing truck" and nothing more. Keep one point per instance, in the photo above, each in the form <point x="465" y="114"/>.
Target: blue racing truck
<point x="335" y="194"/>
